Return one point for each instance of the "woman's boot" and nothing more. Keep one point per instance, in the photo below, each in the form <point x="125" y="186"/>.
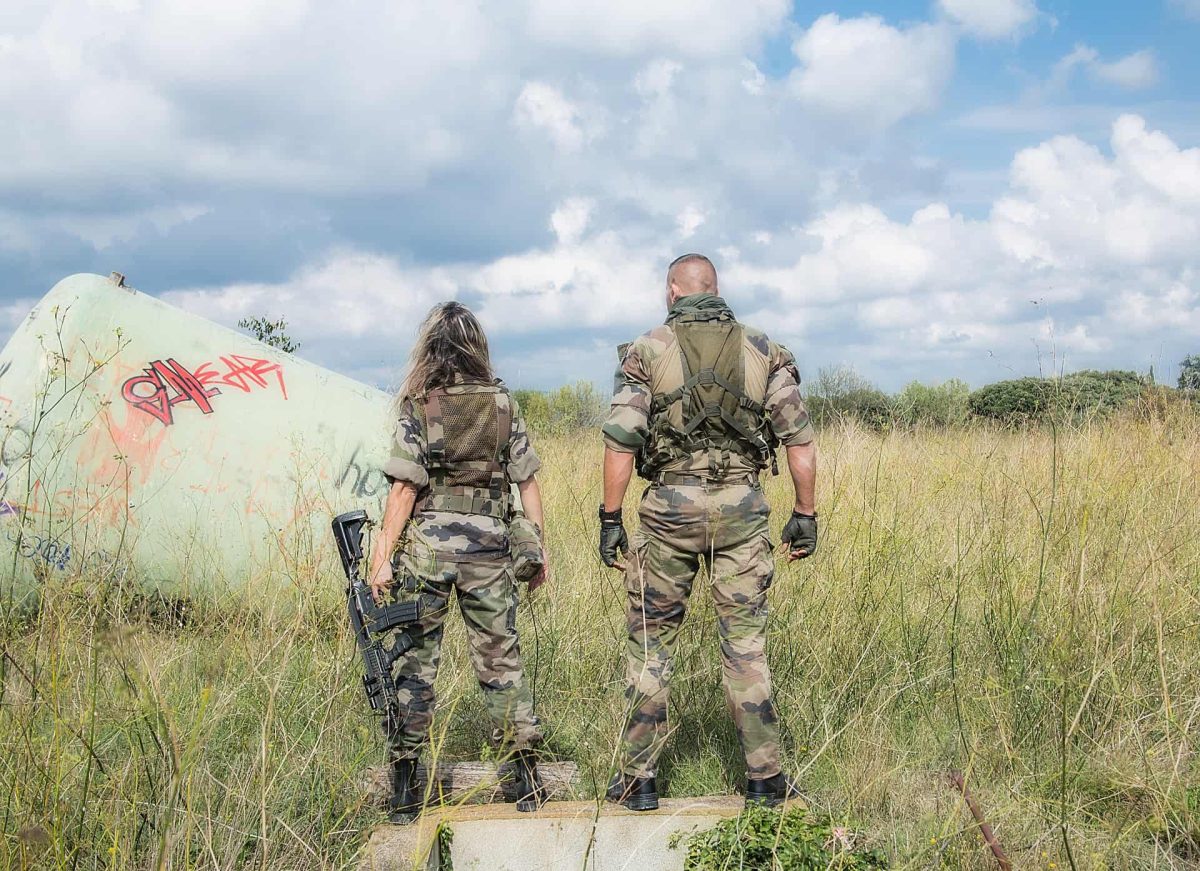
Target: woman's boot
<point x="531" y="795"/>
<point x="406" y="801"/>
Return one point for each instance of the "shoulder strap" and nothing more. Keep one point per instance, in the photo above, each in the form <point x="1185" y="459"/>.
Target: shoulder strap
<point x="435" y="433"/>
<point x="504" y="423"/>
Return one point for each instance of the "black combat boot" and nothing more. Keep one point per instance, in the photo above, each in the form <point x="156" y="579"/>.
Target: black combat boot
<point x="771" y="791"/>
<point x="636" y="793"/>
<point x="531" y="795"/>
<point x="406" y="802"/>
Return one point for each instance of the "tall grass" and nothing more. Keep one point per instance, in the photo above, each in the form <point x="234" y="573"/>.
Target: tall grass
<point x="1023" y="606"/>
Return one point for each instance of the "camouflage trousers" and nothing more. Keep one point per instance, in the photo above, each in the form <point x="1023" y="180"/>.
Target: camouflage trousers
<point x="487" y="599"/>
<point x="683" y="527"/>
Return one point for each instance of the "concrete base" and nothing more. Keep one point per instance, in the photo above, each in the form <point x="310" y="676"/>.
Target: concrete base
<point x="584" y="836"/>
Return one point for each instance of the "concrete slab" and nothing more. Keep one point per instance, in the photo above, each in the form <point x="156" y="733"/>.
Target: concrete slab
<point x="587" y="836"/>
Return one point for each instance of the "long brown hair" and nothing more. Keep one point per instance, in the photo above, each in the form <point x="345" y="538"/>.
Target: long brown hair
<point x="451" y="342"/>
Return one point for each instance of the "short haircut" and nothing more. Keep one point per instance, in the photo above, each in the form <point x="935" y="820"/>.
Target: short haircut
<point x="690" y="258"/>
<point x="699" y="284"/>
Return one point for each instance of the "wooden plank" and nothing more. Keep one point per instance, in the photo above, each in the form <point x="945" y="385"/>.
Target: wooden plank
<point x="475" y="782"/>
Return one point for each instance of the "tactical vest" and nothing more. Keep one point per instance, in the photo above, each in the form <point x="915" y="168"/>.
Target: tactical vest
<point x="719" y="419"/>
<point x="467" y="431"/>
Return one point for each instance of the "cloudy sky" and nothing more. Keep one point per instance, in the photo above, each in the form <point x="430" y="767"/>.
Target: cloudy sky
<point x="970" y="188"/>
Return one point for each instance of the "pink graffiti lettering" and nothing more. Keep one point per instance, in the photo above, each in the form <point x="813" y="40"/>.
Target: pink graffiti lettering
<point x="164" y="385"/>
<point x="242" y="373"/>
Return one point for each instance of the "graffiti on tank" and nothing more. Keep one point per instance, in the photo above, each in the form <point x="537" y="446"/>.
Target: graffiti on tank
<point x="243" y="373"/>
<point x="7" y="509"/>
<point x="163" y="385"/>
<point x="16" y="442"/>
<point x="361" y="479"/>
<point x="34" y="547"/>
<point x="59" y="555"/>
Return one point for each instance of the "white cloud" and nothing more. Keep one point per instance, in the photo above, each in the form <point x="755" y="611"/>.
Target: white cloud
<point x="1088" y="255"/>
<point x="865" y="70"/>
<point x="1155" y="160"/>
<point x="689" y="221"/>
<point x="689" y="28"/>
<point x="571" y="219"/>
<point x="1107" y="244"/>
<point x="1133" y="72"/>
<point x="656" y="78"/>
<point x="991" y="19"/>
<point x="544" y="107"/>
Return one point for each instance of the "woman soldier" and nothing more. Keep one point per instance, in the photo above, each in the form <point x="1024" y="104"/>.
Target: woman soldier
<point x="460" y="444"/>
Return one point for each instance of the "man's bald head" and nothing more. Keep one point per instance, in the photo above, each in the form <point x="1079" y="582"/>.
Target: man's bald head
<point x="690" y="274"/>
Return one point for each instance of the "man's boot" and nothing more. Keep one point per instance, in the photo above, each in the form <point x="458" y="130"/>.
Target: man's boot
<point x="531" y="795"/>
<point x="771" y="791"/>
<point x="406" y="802"/>
<point x="636" y="793"/>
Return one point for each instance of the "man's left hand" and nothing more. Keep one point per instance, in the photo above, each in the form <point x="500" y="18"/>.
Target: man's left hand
<point x="800" y="535"/>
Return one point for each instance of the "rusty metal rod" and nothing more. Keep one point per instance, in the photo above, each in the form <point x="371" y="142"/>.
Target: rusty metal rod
<point x="985" y="829"/>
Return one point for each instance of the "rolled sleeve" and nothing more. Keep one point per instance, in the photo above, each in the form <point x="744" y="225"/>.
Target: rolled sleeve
<point x="786" y="414"/>
<point x="627" y="428"/>
<point x="523" y="461"/>
<point x="407" y="460"/>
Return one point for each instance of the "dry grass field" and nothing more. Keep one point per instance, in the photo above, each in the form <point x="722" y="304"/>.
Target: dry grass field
<point x="1022" y="606"/>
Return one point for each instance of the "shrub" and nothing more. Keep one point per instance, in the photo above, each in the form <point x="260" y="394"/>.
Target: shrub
<point x="1073" y="397"/>
<point x="534" y="405"/>
<point x="765" y="839"/>
<point x="840" y="393"/>
<point x="569" y="408"/>
<point x="1189" y="373"/>
<point x="943" y="404"/>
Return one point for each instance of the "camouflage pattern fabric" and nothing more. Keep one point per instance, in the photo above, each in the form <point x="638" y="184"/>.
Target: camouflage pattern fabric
<point x="450" y="534"/>
<point x="719" y="527"/>
<point x="723" y="529"/>
<point x="651" y="365"/>
<point x="487" y="599"/>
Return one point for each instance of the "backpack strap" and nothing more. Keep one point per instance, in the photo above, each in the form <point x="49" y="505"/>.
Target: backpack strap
<point x="435" y="432"/>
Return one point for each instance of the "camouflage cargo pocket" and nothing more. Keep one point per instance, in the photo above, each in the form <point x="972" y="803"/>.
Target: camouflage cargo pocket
<point x="767" y="566"/>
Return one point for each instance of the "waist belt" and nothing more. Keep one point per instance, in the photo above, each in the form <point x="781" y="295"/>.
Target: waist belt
<point x="478" y="502"/>
<point x="687" y="480"/>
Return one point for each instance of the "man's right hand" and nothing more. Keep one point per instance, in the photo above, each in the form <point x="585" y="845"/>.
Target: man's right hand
<point x="381" y="582"/>
<point x="614" y="543"/>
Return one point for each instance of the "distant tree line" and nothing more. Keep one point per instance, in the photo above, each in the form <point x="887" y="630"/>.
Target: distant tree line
<point x="839" y="394"/>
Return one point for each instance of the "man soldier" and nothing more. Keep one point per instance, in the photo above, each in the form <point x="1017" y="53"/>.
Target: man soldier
<point x="699" y="405"/>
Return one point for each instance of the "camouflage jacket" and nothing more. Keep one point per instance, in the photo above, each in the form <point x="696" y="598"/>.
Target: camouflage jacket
<point x="447" y="534"/>
<point x="651" y="365"/>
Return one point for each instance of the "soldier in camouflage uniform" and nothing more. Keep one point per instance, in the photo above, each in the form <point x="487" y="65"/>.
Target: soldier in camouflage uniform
<point x="460" y="443"/>
<point x="699" y="405"/>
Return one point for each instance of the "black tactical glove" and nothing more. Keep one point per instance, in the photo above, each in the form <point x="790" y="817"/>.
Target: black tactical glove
<point x="800" y="535"/>
<point x="614" y="543"/>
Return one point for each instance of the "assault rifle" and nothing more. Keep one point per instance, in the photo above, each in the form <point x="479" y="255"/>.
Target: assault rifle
<point x="371" y="623"/>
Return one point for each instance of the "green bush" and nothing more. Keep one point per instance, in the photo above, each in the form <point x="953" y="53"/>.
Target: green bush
<point x="763" y="839"/>
<point x="840" y="393"/>
<point x="572" y="407"/>
<point x="535" y="406"/>
<point x="943" y="404"/>
<point x="1073" y="397"/>
<point x="1189" y="373"/>
<point x="1015" y="401"/>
